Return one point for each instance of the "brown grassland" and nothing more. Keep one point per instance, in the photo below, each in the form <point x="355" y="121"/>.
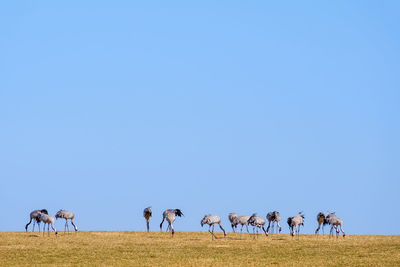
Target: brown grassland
<point x="194" y="249"/>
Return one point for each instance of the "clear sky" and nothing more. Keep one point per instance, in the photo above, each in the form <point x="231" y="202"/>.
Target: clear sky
<point x="210" y="106"/>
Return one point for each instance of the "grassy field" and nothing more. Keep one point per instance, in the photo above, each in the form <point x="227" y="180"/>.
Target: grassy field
<point x="193" y="248"/>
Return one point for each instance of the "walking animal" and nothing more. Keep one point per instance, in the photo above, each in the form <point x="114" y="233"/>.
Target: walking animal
<point x="274" y="216"/>
<point x="243" y="220"/>
<point x="147" y="213"/>
<point x="335" y="222"/>
<point x="232" y="216"/>
<point x="49" y="220"/>
<point x="257" y="222"/>
<point x="34" y="216"/>
<point x="67" y="215"/>
<point x="170" y="216"/>
<point x="321" y="221"/>
<point x="211" y="220"/>
<point x="295" y="223"/>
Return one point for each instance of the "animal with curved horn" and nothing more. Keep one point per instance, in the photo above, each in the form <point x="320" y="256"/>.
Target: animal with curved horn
<point x="211" y="220"/>
<point x="321" y="222"/>
<point x="67" y="215"/>
<point x="295" y="223"/>
<point x="147" y="213"/>
<point x="170" y="216"/>
<point x="258" y="223"/>
<point x="231" y="217"/>
<point x="34" y="216"/>
<point x="274" y="217"/>
<point x="333" y="220"/>
<point x="49" y="220"/>
<point x="242" y="220"/>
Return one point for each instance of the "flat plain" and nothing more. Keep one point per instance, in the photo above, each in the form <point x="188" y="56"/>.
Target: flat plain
<point x="194" y="249"/>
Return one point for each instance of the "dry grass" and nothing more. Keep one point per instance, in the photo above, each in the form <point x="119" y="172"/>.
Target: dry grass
<point x="193" y="248"/>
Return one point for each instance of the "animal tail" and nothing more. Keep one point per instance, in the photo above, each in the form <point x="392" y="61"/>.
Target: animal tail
<point x="44" y="211"/>
<point x="178" y="212"/>
<point x="289" y="221"/>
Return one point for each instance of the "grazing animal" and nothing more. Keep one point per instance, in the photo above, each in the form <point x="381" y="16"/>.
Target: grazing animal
<point x="170" y="216"/>
<point x="67" y="215"/>
<point x="49" y="220"/>
<point x="333" y="220"/>
<point x="295" y="223"/>
<point x="34" y="216"/>
<point x="211" y="220"/>
<point x="274" y="216"/>
<point x="147" y="213"/>
<point x="231" y="217"/>
<point x="243" y="220"/>
<point x="257" y="222"/>
<point x="321" y="221"/>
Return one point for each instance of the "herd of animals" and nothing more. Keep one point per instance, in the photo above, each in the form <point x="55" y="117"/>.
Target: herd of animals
<point x="170" y="215"/>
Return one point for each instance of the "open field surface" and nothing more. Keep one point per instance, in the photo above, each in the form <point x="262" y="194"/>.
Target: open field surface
<point x="193" y="248"/>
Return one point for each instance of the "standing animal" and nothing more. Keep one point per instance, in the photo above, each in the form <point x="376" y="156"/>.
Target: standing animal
<point x="257" y="222"/>
<point x="211" y="220"/>
<point x="49" y="220"/>
<point x="170" y="216"/>
<point x="274" y="216"/>
<point x="67" y="215"/>
<point x="232" y="216"/>
<point x="321" y="221"/>
<point x="335" y="222"/>
<point x="243" y="220"/>
<point x="34" y="216"/>
<point x="295" y="223"/>
<point x="147" y="213"/>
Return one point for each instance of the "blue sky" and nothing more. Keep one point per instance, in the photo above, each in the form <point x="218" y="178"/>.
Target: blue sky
<point x="211" y="107"/>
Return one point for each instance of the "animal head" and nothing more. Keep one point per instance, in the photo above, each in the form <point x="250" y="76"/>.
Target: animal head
<point x="232" y="215"/>
<point x="59" y="214"/>
<point x="235" y="221"/>
<point x="252" y="218"/>
<point x="204" y="220"/>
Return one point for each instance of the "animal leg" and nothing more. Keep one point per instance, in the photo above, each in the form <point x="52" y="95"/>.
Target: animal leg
<point x="162" y="223"/>
<point x="265" y="231"/>
<point x="247" y="227"/>
<point x="257" y="231"/>
<point x="341" y="229"/>
<point x="316" y="231"/>
<point x="331" y="232"/>
<point x="172" y="230"/>
<point x="76" y="228"/>
<point x="209" y="230"/>
<point x="279" y="227"/>
<point x="269" y="224"/>
<point x="220" y="226"/>
<point x="26" y="226"/>
<point x="54" y="229"/>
